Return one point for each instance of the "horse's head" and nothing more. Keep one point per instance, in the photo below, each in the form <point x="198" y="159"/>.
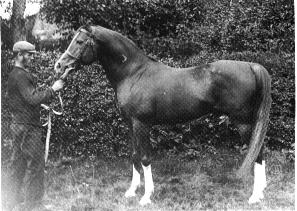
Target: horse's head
<point x="82" y="50"/>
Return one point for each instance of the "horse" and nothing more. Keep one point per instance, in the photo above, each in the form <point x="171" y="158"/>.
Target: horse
<point x="149" y="92"/>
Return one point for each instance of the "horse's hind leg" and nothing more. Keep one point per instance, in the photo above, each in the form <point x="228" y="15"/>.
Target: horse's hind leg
<point x="146" y="158"/>
<point x="141" y="157"/>
<point x="259" y="179"/>
<point x="245" y="131"/>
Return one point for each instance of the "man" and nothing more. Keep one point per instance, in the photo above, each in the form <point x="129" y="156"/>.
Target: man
<point x="28" y="148"/>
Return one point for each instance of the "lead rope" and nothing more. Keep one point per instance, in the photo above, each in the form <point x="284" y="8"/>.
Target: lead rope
<point x="49" y="124"/>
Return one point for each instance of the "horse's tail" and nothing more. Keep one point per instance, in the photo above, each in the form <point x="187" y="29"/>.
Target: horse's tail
<point x="261" y="118"/>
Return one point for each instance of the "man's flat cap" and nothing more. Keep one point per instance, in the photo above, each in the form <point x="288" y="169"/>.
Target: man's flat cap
<point x="23" y="46"/>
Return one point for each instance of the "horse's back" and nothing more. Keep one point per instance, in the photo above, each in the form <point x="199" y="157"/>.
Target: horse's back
<point x="238" y="68"/>
<point x="162" y="93"/>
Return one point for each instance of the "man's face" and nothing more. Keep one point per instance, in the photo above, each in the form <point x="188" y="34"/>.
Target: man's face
<point x="26" y="58"/>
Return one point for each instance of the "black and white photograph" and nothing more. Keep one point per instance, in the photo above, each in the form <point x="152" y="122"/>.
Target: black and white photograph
<point x="147" y="105"/>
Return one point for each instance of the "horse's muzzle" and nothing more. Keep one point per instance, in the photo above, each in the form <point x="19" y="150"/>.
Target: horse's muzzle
<point x="62" y="71"/>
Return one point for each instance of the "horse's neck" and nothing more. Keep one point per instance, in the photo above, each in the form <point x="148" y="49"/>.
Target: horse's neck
<point x="119" y="56"/>
<point x="122" y="63"/>
<point x="118" y="71"/>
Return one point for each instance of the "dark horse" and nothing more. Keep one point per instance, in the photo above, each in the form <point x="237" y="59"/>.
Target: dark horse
<point x="149" y="92"/>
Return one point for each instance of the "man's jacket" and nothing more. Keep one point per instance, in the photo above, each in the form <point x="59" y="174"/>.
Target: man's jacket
<point x="24" y="99"/>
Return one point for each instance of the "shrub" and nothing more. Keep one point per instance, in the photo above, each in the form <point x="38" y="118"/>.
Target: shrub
<point x="179" y="28"/>
<point x="92" y="124"/>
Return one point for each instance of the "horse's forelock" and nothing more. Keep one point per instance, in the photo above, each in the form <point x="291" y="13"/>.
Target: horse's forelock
<point x="87" y="27"/>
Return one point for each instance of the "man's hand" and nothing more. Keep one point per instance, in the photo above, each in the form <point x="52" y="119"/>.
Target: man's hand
<point x="58" y="85"/>
<point x="66" y="72"/>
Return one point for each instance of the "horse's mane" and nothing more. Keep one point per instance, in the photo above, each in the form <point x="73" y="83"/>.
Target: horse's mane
<point x="105" y="34"/>
<point x="102" y="33"/>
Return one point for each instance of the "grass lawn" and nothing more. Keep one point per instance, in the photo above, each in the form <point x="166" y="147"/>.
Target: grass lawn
<point x="204" y="183"/>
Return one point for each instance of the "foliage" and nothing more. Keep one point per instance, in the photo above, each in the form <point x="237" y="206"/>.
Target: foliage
<point x="179" y="33"/>
<point x="7" y="27"/>
<point x="158" y="18"/>
<point x="6" y="66"/>
<point x="92" y="124"/>
<point x="179" y="28"/>
<point x="251" y="25"/>
<point x="136" y="19"/>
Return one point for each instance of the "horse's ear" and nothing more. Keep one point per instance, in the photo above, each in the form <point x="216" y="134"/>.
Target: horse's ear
<point x="88" y="25"/>
<point x="85" y="23"/>
<point x="81" y="20"/>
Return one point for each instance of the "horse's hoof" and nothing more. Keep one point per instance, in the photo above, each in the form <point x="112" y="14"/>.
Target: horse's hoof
<point x="130" y="193"/>
<point x="256" y="198"/>
<point x="145" y="201"/>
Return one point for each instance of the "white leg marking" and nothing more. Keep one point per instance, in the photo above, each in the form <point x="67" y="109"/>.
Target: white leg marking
<point x="259" y="183"/>
<point x="149" y="185"/>
<point x="134" y="184"/>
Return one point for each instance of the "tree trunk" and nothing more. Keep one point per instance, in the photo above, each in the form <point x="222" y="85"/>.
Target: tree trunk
<point x="18" y="28"/>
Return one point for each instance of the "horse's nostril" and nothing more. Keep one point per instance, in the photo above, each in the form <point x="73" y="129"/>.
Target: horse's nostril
<point x="58" y="65"/>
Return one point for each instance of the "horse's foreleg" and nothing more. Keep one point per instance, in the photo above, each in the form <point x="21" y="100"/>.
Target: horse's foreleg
<point x="259" y="179"/>
<point x="142" y="133"/>
<point x="136" y="165"/>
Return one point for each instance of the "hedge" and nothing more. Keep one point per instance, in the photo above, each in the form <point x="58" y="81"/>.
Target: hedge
<point x="183" y="27"/>
<point x="92" y="124"/>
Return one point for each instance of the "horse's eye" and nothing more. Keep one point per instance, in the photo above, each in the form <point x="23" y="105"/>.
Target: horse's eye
<point x="79" y="41"/>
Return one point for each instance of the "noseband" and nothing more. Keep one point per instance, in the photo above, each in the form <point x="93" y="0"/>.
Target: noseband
<point x="90" y="42"/>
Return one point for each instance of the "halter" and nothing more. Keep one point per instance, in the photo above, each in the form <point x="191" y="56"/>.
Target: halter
<point x="88" y="43"/>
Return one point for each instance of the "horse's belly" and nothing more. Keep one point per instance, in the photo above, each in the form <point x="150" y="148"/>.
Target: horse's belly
<point x="180" y="109"/>
<point x="182" y="99"/>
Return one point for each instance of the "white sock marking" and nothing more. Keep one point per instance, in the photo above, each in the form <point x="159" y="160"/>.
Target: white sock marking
<point x="259" y="183"/>
<point x="149" y="185"/>
<point x="134" y="184"/>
